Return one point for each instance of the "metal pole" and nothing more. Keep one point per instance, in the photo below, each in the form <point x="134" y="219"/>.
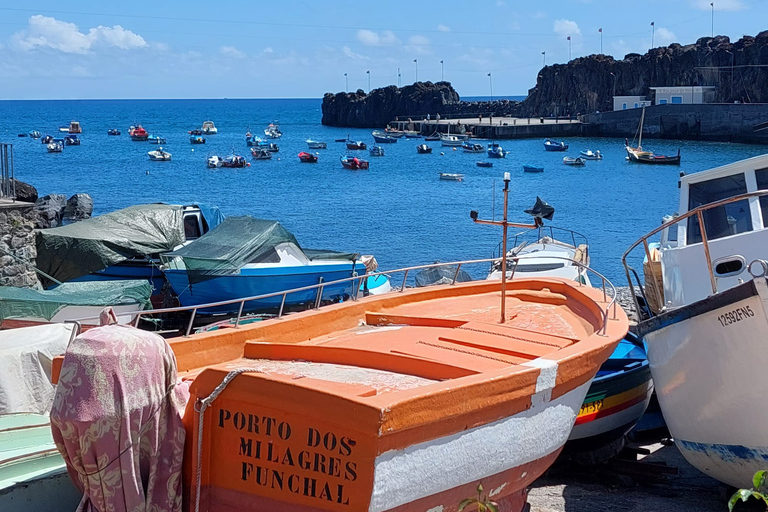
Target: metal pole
<point x="504" y="251"/>
<point x="490" y="82"/>
<point x="705" y="243"/>
<point x="416" y="62"/>
<point x="346" y="83"/>
<point x="712" y="4"/>
<point x="442" y="72"/>
<point x="545" y="58"/>
<point x="369" y="81"/>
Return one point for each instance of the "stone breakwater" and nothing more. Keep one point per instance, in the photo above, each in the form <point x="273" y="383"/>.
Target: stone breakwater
<point x="18" y="222"/>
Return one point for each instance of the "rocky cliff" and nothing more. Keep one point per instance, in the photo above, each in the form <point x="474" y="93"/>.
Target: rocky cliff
<point x="587" y="84"/>
<point x="380" y="106"/>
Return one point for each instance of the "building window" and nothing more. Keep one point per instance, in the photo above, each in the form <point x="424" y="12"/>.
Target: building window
<point x="637" y="105"/>
<point x="722" y="221"/>
<point x="662" y="102"/>
<point x="677" y="100"/>
<point x="623" y="106"/>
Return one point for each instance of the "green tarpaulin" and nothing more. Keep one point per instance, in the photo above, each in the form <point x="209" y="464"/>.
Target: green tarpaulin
<point x="71" y="251"/>
<point x="238" y="241"/>
<point x="26" y="302"/>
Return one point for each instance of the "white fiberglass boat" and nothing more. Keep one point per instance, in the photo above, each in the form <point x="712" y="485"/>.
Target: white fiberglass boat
<point x="159" y="155"/>
<point x="706" y="336"/>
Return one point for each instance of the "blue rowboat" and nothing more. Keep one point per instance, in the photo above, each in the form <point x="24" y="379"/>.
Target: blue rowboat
<point x="553" y="145"/>
<point x="530" y="168"/>
<point x="485" y="164"/>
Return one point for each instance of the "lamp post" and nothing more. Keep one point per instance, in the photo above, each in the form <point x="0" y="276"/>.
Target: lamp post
<point x="504" y="224"/>
<point x="490" y="83"/>
<point x="569" y="48"/>
<point x="346" y="83"/>
<point x="416" y="63"/>
<point x="442" y="71"/>
<point x="369" y="81"/>
<point x="653" y="32"/>
<point x="712" y="5"/>
<point x="398" y="77"/>
<point x="731" y="84"/>
<point x="545" y="58"/>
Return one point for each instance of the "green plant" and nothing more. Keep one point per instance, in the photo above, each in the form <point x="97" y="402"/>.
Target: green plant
<point x="482" y="503"/>
<point x="758" y="491"/>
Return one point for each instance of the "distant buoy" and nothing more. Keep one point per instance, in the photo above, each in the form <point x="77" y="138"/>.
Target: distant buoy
<point x="441" y="153"/>
<point x="454" y="149"/>
<point x="278" y="159"/>
<point x="147" y="172"/>
<point x="248" y="165"/>
<point x="193" y="150"/>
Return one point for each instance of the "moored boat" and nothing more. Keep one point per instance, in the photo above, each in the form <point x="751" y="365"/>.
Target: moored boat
<point x="56" y="146"/>
<point x="376" y="151"/>
<point x="496" y="151"/>
<point x="261" y="154"/>
<point x="383" y="137"/>
<point x="532" y="168"/>
<point x="578" y="161"/>
<point x="316" y="144"/>
<point x="237" y="161"/>
<point x="158" y="155"/>
<point x="588" y="154"/>
<point x="35" y="134"/>
<point x="273" y="131"/>
<point x="451" y="141"/>
<point x="154" y="139"/>
<point x="47" y="139"/>
<point x="209" y="128"/>
<point x="484" y="164"/>
<point x="356" y="144"/>
<point x="71" y="140"/>
<point x="449" y="176"/>
<point x="272" y="147"/>
<point x="433" y="138"/>
<point x="196" y="139"/>
<point x="707" y="331"/>
<point x="113" y="131"/>
<point x="306" y="157"/>
<point x="468" y="147"/>
<point x="354" y="163"/>
<point x="553" y="145"/>
<point x="138" y="133"/>
<point x="74" y="128"/>
<point x="639" y="155"/>
<point x="423" y="149"/>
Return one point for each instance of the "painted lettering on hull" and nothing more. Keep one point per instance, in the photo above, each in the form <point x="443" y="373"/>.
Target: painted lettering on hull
<point x="736" y="315"/>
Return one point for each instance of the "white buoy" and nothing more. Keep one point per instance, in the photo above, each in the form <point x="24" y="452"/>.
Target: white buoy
<point x="441" y="153"/>
<point x="193" y="150"/>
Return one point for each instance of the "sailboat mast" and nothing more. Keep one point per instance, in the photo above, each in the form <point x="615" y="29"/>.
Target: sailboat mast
<point x="642" y="119"/>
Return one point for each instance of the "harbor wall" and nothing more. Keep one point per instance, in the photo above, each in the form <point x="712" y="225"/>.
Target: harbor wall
<point x="17" y="244"/>
<point x="732" y="122"/>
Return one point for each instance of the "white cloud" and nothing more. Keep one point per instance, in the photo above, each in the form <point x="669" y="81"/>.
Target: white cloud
<point x="418" y="44"/>
<point x="231" y="51"/>
<point x="566" y="28"/>
<point x="665" y="36"/>
<point x="47" y="32"/>
<point x="268" y="49"/>
<point x="346" y="50"/>
<point x="443" y="28"/>
<point x="720" y="5"/>
<point x="371" y="38"/>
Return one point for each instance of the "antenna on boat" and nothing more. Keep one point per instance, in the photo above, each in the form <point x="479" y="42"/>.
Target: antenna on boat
<point x="504" y="224"/>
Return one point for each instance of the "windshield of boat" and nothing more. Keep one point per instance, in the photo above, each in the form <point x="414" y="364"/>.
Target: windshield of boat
<point x="761" y="176"/>
<point x="722" y="221"/>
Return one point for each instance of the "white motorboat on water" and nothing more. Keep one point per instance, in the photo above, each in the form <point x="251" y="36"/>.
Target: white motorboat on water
<point x="208" y="128"/>
<point x="451" y="141"/>
<point x="159" y="155"/>
<point x="272" y="131"/>
<point x="468" y="147"/>
<point x="588" y="154"/>
<point x="215" y="161"/>
<point x="316" y="144"/>
<point x="709" y="318"/>
<point x="376" y="151"/>
<point x="450" y="176"/>
<point x="56" y="146"/>
<point x="577" y="162"/>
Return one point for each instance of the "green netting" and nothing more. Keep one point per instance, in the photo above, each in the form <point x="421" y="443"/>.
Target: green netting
<point x="25" y="302"/>
<point x="71" y="251"/>
<point x="238" y="241"/>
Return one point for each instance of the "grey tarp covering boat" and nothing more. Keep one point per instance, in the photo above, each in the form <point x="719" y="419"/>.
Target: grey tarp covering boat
<point x="238" y="241"/>
<point x="26" y="302"/>
<point x="74" y="250"/>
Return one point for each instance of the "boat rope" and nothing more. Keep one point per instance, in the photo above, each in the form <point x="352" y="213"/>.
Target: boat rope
<point x="200" y="406"/>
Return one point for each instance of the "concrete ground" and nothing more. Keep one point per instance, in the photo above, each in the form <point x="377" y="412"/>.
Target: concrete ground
<point x="576" y="489"/>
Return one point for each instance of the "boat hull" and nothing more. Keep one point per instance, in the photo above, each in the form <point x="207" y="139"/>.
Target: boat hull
<point x="252" y="282"/>
<point x="708" y="363"/>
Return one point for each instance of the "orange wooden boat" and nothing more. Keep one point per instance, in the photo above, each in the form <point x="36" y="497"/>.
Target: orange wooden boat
<point x="398" y="402"/>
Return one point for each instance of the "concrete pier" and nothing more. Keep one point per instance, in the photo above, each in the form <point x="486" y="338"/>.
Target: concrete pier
<point x="497" y="127"/>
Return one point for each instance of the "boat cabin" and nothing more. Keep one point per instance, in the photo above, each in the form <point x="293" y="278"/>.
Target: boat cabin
<point x="735" y="232"/>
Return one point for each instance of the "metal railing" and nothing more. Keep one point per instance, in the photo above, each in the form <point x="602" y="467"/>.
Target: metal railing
<point x="699" y="214"/>
<point x="356" y="282"/>
<point x="539" y="230"/>
<point x="7" y="178"/>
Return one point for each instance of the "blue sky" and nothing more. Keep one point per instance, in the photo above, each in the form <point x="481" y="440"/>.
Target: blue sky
<point x="300" y="49"/>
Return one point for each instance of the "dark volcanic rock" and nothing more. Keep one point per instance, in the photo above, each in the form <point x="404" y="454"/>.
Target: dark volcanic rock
<point x="79" y="207"/>
<point x="25" y="192"/>
<point x="586" y="84"/>
<point x="375" y="110"/>
<point x="51" y="209"/>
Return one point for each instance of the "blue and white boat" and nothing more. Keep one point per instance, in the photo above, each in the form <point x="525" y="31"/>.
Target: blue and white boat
<point x="35" y="134"/>
<point x="251" y="140"/>
<point x="273" y="131"/>
<point x="71" y="140"/>
<point x="383" y="137"/>
<point x="246" y="257"/>
<point x="469" y="147"/>
<point x="496" y="151"/>
<point x="376" y="151"/>
<point x="196" y="139"/>
<point x="154" y="139"/>
<point x="553" y="145"/>
<point x="272" y="147"/>
<point x="531" y="168"/>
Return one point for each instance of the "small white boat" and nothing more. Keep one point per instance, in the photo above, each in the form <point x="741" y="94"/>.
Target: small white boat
<point x="56" y="146"/>
<point x="451" y="176"/>
<point x="376" y="151"/>
<point x="208" y="128"/>
<point x="215" y="161"/>
<point x="273" y="131"/>
<point x="316" y="144"/>
<point x="588" y="154"/>
<point x="159" y="155"/>
<point x="468" y="147"/>
<point x="451" y="141"/>
<point x="578" y="161"/>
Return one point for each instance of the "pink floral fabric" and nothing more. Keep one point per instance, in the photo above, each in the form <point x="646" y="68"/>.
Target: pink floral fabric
<point x="116" y="419"/>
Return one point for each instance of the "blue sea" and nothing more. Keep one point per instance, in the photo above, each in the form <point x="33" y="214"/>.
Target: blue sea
<point x="398" y="210"/>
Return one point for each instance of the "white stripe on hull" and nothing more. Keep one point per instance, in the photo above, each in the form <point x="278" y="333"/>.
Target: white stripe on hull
<point x="403" y="476"/>
<point x="710" y="375"/>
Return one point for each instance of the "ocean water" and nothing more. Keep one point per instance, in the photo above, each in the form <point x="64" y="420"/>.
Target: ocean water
<point x="398" y="210"/>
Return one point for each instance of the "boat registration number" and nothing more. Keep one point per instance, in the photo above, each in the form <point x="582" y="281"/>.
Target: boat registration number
<point x="591" y="407"/>
<point x="737" y="315"/>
